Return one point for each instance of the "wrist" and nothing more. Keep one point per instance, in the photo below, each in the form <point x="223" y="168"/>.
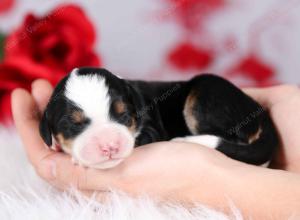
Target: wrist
<point x="216" y="182"/>
<point x="251" y="187"/>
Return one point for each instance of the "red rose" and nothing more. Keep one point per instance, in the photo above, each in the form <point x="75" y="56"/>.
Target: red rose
<point x="187" y="56"/>
<point x="48" y="48"/>
<point x="5" y="5"/>
<point x="62" y="40"/>
<point x="16" y="73"/>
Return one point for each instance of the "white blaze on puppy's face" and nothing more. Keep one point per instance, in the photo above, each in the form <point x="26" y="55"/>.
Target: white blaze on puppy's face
<point x="104" y="143"/>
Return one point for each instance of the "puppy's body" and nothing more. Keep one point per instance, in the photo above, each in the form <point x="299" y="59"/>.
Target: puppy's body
<point x="115" y="115"/>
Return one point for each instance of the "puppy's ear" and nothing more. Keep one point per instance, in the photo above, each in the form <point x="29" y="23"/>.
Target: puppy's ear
<point x="134" y="95"/>
<point x="45" y="130"/>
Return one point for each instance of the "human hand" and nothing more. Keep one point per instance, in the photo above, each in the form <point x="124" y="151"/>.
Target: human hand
<point x="160" y="169"/>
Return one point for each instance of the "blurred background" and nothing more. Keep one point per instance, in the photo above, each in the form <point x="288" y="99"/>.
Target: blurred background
<point x="252" y="43"/>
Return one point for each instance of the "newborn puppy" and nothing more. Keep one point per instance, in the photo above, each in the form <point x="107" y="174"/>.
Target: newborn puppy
<point x="98" y="118"/>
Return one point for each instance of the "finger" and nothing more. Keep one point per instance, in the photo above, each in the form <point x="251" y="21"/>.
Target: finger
<point x="25" y="114"/>
<point x="41" y="92"/>
<point x="260" y="95"/>
<point x="270" y="96"/>
<point x="85" y="178"/>
<point x="64" y="174"/>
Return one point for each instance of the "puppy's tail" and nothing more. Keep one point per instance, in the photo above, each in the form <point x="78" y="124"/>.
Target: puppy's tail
<point x="260" y="148"/>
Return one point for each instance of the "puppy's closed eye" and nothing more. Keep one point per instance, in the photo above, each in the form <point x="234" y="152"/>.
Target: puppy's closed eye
<point x="70" y="126"/>
<point x="123" y="113"/>
<point x="126" y="119"/>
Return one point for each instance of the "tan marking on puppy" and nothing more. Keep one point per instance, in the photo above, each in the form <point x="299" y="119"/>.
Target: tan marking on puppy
<point x="188" y="113"/>
<point x="77" y="116"/>
<point x="255" y="136"/>
<point x="132" y="127"/>
<point x="66" y="144"/>
<point x="120" y="107"/>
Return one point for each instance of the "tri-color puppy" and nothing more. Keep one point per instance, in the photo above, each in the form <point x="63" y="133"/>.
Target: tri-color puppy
<point x="99" y="118"/>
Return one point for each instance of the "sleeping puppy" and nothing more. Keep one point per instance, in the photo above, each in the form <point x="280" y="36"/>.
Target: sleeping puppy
<point x="98" y="118"/>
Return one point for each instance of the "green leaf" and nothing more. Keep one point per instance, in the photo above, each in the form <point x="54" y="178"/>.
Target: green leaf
<point x="2" y="38"/>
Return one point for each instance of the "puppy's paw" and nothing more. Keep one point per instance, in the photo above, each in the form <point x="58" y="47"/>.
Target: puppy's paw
<point x="204" y="140"/>
<point x="179" y="139"/>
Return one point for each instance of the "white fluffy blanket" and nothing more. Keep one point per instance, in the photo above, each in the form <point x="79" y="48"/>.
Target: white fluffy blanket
<point x="24" y="196"/>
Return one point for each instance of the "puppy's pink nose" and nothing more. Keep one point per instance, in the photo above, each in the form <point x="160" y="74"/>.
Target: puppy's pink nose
<point x="96" y="152"/>
<point x="110" y="149"/>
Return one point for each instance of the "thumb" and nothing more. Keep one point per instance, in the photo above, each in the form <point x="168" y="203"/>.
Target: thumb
<point x="270" y="96"/>
<point x="41" y="92"/>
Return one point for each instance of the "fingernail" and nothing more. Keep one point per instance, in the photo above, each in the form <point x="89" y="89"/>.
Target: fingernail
<point x="33" y="85"/>
<point x="48" y="169"/>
